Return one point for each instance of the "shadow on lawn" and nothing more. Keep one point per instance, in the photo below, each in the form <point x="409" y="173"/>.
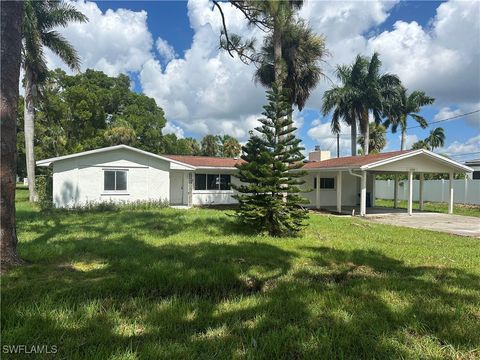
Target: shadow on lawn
<point x="223" y="299"/>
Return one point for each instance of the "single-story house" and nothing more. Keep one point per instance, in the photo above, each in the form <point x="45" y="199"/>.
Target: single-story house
<point x="123" y="173"/>
<point x="475" y="165"/>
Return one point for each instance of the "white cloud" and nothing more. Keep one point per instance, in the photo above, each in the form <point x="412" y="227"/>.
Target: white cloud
<point x="409" y="140"/>
<point x="165" y="50"/>
<point x="322" y="135"/>
<point x="207" y="91"/>
<point x="173" y="129"/>
<point x="472" y="145"/>
<point x="446" y="112"/>
<point x="114" y="42"/>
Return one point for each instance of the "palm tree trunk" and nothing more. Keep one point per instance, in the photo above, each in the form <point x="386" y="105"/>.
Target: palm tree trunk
<point x="10" y="33"/>
<point x="366" y="132"/>
<point x="29" y="114"/>
<point x="403" y="139"/>
<point x="353" y="137"/>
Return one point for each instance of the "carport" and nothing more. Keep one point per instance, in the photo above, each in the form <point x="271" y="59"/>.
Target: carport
<point x="356" y="174"/>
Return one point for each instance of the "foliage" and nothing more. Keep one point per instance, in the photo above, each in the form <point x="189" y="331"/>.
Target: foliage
<point x="210" y="146"/>
<point x="302" y="50"/>
<point x="44" y="185"/>
<point x="186" y="284"/>
<point x="269" y="198"/>
<point x="434" y="140"/>
<point x="403" y="106"/>
<point x="229" y="146"/>
<point x="363" y="90"/>
<point x="377" y="138"/>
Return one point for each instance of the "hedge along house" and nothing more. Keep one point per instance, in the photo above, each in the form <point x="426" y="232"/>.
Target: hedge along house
<point x="122" y="174"/>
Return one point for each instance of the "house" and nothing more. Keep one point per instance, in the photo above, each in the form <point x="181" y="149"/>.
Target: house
<point x="123" y="173"/>
<point x="475" y="165"/>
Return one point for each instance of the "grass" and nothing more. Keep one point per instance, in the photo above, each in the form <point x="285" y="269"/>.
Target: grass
<point x="458" y="209"/>
<point x="176" y="284"/>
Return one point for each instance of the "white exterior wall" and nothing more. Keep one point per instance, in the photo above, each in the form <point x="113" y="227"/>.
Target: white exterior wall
<point x="214" y="197"/>
<point x="464" y="191"/>
<point x="79" y="180"/>
<point x="328" y="197"/>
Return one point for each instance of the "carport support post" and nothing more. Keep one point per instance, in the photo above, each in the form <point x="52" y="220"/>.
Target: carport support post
<point x="410" y="192"/>
<point x="395" y="192"/>
<point x="420" y="194"/>
<point x="339" y="192"/>
<point x="450" y="193"/>
<point x="317" y="193"/>
<point x="363" y="195"/>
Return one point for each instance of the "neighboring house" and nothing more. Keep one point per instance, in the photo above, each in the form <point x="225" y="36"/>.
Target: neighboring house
<point x="123" y="173"/>
<point x="475" y="165"/>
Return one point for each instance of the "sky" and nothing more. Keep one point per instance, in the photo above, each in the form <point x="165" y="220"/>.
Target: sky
<point x="170" y="50"/>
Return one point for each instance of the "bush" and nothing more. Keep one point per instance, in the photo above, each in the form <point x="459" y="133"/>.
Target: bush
<point x="44" y="190"/>
<point x="96" y="206"/>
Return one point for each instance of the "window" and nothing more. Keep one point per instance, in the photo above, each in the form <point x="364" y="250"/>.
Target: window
<point x="212" y="182"/>
<point x="115" y="180"/>
<point x="325" y="183"/>
<point x="200" y="182"/>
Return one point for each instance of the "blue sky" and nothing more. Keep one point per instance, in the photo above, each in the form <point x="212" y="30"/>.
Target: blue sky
<point x="203" y="91"/>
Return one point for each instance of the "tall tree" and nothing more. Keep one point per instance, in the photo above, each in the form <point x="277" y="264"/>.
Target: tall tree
<point x="210" y="145"/>
<point x="376" y="92"/>
<point x="268" y="197"/>
<point x="377" y="138"/>
<point x="436" y="138"/>
<point x="10" y="59"/>
<point x="40" y="20"/>
<point x="229" y="146"/>
<point x="404" y="106"/>
<point x="302" y="51"/>
<point x="340" y="100"/>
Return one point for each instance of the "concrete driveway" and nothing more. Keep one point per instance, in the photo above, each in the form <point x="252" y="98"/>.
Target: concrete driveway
<point x="453" y="224"/>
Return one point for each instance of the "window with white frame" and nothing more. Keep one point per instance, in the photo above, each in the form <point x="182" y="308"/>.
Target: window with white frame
<point x="212" y="182"/>
<point x="115" y="180"/>
<point x="325" y="183"/>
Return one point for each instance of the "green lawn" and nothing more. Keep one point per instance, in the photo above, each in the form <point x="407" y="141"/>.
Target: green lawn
<point x="458" y="209"/>
<point x="148" y="284"/>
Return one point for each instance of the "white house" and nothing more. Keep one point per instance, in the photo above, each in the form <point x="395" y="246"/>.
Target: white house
<point x="123" y="173"/>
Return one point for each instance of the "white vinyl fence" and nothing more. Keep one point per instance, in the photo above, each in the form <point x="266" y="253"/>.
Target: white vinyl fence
<point x="464" y="191"/>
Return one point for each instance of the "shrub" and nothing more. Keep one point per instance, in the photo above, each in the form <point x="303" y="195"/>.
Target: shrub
<point x="44" y="191"/>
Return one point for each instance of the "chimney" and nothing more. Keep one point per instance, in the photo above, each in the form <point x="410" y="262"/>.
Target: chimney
<point x="318" y="155"/>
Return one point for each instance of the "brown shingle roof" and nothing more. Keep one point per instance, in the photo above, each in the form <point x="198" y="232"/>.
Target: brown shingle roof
<point x="206" y="161"/>
<point x="352" y="161"/>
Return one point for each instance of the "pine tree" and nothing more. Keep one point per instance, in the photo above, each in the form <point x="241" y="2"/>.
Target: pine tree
<point x="269" y="196"/>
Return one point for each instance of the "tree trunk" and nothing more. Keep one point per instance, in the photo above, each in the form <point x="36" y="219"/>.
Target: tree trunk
<point x="277" y="52"/>
<point x="366" y="132"/>
<point x="403" y="139"/>
<point x="29" y="114"/>
<point x="353" y="137"/>
<point x="10" y="33"/>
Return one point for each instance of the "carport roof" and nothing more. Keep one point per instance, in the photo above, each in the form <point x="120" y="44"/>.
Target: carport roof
<point x="371" y="161"/>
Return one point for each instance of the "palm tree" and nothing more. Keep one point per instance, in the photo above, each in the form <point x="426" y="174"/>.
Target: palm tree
<point x="375" y="92"/>
<point x="39" y="21"/>
<point x="302" y="50"/>
<point x="340" y="99"/>
<point x="210" y="145"/>
<point x="436" y="138"/>
<point x="377" y="138"/>
<point x="10" y="32"/>
<point x="404" y="106"/>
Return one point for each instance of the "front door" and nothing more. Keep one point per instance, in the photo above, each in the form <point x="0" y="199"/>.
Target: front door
<point x="176" y="188"/>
